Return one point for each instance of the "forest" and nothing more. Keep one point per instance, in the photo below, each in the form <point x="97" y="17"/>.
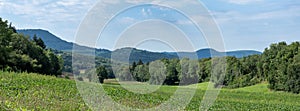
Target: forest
<point x="21" y="54"/>
<point x="279" y="65"/>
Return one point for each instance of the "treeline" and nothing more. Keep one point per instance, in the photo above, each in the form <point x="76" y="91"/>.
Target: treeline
<point x="186" y="71"/>
<point x="279" y="65"/>
<point x="19" y="53"/>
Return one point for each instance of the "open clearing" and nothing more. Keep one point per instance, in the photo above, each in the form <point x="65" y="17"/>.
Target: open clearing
<point x="36" y="92"/>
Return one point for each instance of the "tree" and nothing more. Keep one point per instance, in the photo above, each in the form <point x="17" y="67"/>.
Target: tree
<point x="188" y="71"/>
<point x="39" y="41"/>
<point x="204" y="69"/>
<point x="171" y="71"/>
<point x="218" y="70"/>
<point x="140" y="62"/>
<point x="101" y="73"/>
<point x="281" y="66"/>
<point x="133" y="66"/>
<point x="157" y="71"/>
<point x="56" y="63"/>
<point x="124" y="74"/>
<point x="19" y="53"/>
<point x="293" y="73"/>
<point x="5" y="38"/>
<point x="293" y="82"/>
<point x="141" y="73"/>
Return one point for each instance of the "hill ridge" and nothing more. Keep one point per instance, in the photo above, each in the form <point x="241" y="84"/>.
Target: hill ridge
<point x="54" y="42"/>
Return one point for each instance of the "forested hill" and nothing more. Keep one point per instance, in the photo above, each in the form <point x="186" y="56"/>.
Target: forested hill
<point x="208" y="52"/>
<point x="51" y="41"/>
<point x="56" y="43"/>
<point x="279" y="65"/>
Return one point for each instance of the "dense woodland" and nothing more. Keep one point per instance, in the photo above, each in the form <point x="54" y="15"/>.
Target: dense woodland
<point x="19" y="53"/>
<point x="279" y="65"/>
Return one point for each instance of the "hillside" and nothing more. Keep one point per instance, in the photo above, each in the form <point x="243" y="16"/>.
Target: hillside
<point x="51" y="41"/>
<point x="208" y="52"/>
<point x="22" y="91"/>
<point x="55" y="42"/>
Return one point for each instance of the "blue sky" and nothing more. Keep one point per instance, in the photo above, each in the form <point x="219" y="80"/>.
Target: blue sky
<point x="245" y="24"/>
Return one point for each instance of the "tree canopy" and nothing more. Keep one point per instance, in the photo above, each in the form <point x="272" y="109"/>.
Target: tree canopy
<point x="279" y="65"/>
<point x="19" y="53"/>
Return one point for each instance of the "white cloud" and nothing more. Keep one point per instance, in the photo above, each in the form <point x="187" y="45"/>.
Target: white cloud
<point x="242" y="2"/>
<point x="1" y="3"/>
<point x="235" y="16"/>
<point x="57" y="16"/>
<point x="286" y="13"/>
<point x="111" y="1"/>
<point x="184" y="22"/>
<point x="127" y="20"/>
<point x="67" y="3"/>
<point x="47" y="10"/>
<point x="134" y="1"/>
<point x="144" y="13"/>
<point x="149" y="12"/>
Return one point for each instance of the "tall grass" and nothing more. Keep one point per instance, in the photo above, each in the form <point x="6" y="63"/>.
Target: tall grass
<point x="23" y="91"/>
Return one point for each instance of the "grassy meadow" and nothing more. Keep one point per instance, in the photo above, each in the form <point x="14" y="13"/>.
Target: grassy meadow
<point x="22" y="91"/>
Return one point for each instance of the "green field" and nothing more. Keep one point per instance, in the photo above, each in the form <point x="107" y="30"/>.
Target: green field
<point x="21" y="91"/>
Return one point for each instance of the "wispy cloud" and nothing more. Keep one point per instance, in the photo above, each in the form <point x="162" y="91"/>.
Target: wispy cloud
<point x="184" y="22"/>
<point x="236" y="16"/>
<point x="42" y="9"/>
<point x="127" y="20"/>
<point x="1" y="3"/>
<point x="146" y="12"/>
<point x="47" y="14"/>
<point x="243" y="2"/>
<point x="278" y="14"/>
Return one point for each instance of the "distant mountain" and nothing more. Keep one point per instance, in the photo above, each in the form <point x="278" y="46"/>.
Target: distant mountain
<point x="55" y="42"/>
<point x="242" y="53"/>
<point x="50" y="40"/>
<point x="206" y="53"/>
<point x="133" y="54"/>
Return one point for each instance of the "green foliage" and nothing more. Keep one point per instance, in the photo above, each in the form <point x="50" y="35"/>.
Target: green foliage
<point x="282" y="69"/>
<point x="204" y="69"/>
<point x="218" y="71"/>
<point x="39" y="42"/>
<point x="124" y="74"/>
<point x="243" y="72"/>
<point x="141" y="73"/>
<point x="133" y="66"/>
<point x="140" y="62"/>
<point x="171" y="71"/>
<point x="22" y="91"/>
<point x="188" y="71"/>
<point x="279" y="65"/>
<point x="157" y="71"/>
<point x="35" y="92"/>
<point x="66" y="58"/>
<point x="102" y="74"/>
<point x="293" y="81"/>
<point x="19" y="53"/>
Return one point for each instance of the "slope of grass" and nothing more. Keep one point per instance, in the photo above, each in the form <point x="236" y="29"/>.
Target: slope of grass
<point x="37" y="92"/>
<point x="263" y="87"/>
<point x="32" y="91"/>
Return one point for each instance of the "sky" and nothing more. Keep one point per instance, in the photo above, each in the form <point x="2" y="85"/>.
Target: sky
<point x="244" y="24"/>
